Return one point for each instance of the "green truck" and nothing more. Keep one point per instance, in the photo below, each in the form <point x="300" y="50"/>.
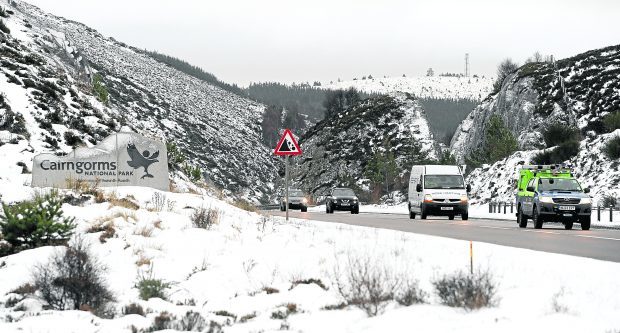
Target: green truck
<point x="550" y="193"/>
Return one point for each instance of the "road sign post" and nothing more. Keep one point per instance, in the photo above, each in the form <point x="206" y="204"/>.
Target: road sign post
<point x="287" y="146"/>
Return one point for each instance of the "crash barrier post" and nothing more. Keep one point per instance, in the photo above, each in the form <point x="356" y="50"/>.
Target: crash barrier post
<point x="512" y="205"/>
<point x="505" y="207"/>
<point x="490" y="207"/>
<point x="598" y="213"/>
<point x="611" y="214"/>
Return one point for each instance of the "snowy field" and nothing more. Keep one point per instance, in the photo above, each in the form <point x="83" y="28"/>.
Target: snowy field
<point x="246" y="267"/>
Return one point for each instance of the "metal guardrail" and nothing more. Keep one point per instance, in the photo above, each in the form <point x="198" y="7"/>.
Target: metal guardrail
<point x="497" y="207"/>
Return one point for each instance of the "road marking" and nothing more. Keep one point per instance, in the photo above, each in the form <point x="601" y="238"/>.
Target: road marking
<point x="492" y="227"/>
<point x="598" y="237"/>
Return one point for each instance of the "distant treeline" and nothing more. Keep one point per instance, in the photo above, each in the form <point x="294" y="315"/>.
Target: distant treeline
<point x="195" y="71"/>
<point x="299" y="98"/>
<point x="445" y="115"/>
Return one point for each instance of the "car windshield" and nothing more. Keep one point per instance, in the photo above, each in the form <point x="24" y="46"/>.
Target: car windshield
<point x="345" y="192"/>
<point x="443" y="182"/>
<point x="295" y="193"/>
<point x="558" y="184"/>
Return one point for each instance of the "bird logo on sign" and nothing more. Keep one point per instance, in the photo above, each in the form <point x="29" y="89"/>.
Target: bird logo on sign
<point x="287" y="145"/>
<point x="141" y="160"/>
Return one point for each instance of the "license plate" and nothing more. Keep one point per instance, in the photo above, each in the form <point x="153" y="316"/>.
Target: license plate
<point x="344" y="204"/>
<point x="567" y="207"/>
<point x="447" y="208"/>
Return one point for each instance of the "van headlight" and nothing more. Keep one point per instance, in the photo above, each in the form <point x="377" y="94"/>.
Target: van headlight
<point x="464" y="198"/>
<point x="304" y="200"/>
<point x="546" y="199"/>
<point x="428" y="198"/>
<point x="585" y="201"/>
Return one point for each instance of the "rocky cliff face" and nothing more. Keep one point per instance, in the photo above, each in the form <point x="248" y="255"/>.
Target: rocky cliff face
<point x="532" y="98"/>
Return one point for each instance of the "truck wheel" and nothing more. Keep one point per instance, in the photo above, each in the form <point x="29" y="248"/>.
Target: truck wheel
<point x="451" y="217"/>
<point x="585" y="222"/>
<point x="521" y="218"/>
<point x="568" y="225"/>
<point x="465" y="216"/>
<point x="538" y="222"/>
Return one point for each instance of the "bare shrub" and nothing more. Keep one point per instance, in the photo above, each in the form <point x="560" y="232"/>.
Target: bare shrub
<point x="556" y="305"/>
<point x="24" y="289"/>
<point x="318" y="282"/>
<point x="106" y="228"/>
<point x="73" y="279"/>
<point x="144" y="231"/>
<point x="366" y="284"/>
<point x="190" y="322"/>
<point x="410" y="293"/>
<point x="247" y="317"/>
<point x="464" y="290"/>
<point x="133" y="308"/>
<point x="205" y="218"/>
<point x="285" y="311"/>
<point x="158" y="201"/>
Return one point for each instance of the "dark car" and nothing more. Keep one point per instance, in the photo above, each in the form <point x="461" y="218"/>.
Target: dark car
<point x="297" y="200"/>
<point x="342" y="199"/>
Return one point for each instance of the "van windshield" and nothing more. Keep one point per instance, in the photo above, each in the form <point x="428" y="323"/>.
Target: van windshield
<point x="444" y="182"/>
<point x="295" y="193"/>
<point x="558" y="184"/>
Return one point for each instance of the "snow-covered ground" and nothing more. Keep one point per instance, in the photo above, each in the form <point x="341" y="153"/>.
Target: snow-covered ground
<point x="228" y="267"/>
<point x="422" y="86"/>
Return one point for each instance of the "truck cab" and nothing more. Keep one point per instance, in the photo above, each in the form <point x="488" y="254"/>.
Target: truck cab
<point x="438" y="190"/>
<point x="550" y="193"/>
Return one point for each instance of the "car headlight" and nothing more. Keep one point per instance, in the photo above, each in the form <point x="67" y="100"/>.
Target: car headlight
<point x="585" y="201"/>
<point x="428" y="198"/>
<point x="355" y="199"/>
<point x="546" y="199"/>
<point x="464" y="198"/>
<point x="304" y="200"/>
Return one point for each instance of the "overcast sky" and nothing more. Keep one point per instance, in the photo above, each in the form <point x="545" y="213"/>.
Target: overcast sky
<point x="244" y="41"/>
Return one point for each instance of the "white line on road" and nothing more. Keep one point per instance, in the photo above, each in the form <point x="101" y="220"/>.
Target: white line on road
<point x="598" y="237"/>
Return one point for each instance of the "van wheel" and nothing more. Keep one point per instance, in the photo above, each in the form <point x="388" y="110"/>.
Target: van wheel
<point x="538" y="222"/>
<point x="451" y="217"/>
<point x="585" y="222"/>
<point x="423" y="214"/>
<point x="282" y="208"/>
<point x="521" y="219"/>
<point x="304" y="209"/>
<point x="465" y="216"/>
<point x="568" y="225"/>
<point x="411" y="215"/>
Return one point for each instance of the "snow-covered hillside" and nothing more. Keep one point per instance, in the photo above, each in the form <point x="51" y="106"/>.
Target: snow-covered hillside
<point x="532" y="99"/>
<point x="337" y="149"/>
<point x="46" y="81"/>
<point x="475" y="88"/>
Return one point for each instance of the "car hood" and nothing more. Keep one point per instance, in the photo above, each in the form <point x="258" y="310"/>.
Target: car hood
<point x="345" y="198"/>
<point x="564" y="194"/>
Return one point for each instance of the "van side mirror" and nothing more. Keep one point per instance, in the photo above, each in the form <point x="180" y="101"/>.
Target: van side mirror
<point x="530" y="189"/>
<point x="468" y="188"/>
<point x="586" y="190"/>
<point x="418" y="188"/>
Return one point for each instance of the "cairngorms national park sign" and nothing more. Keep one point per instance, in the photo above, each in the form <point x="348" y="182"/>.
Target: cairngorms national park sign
<point x="122" y="159"/>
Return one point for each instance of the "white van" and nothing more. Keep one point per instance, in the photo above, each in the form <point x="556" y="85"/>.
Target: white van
<point x="438" y="190"/>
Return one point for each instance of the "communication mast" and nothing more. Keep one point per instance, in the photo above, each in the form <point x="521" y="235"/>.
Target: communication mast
<point x="466" y="64"/>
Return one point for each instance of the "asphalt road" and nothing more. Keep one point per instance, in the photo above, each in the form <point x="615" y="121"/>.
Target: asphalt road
<point x="596" y="243"/>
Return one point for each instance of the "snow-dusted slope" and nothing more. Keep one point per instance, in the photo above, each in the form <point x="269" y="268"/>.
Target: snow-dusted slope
<point x="337" y="149"/>
<point x="423" y="86"/>
<point x="47" y="66"/>
<point x="532" y="99"/>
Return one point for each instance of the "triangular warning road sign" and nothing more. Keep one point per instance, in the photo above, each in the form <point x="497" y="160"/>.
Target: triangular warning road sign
<point x="287" y="145"/>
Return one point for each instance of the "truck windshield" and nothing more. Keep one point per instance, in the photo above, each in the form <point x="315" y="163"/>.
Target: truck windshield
<point x="558" y="184"/>
<point x="345" y="192"/>
<point x="443" y="182"/>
